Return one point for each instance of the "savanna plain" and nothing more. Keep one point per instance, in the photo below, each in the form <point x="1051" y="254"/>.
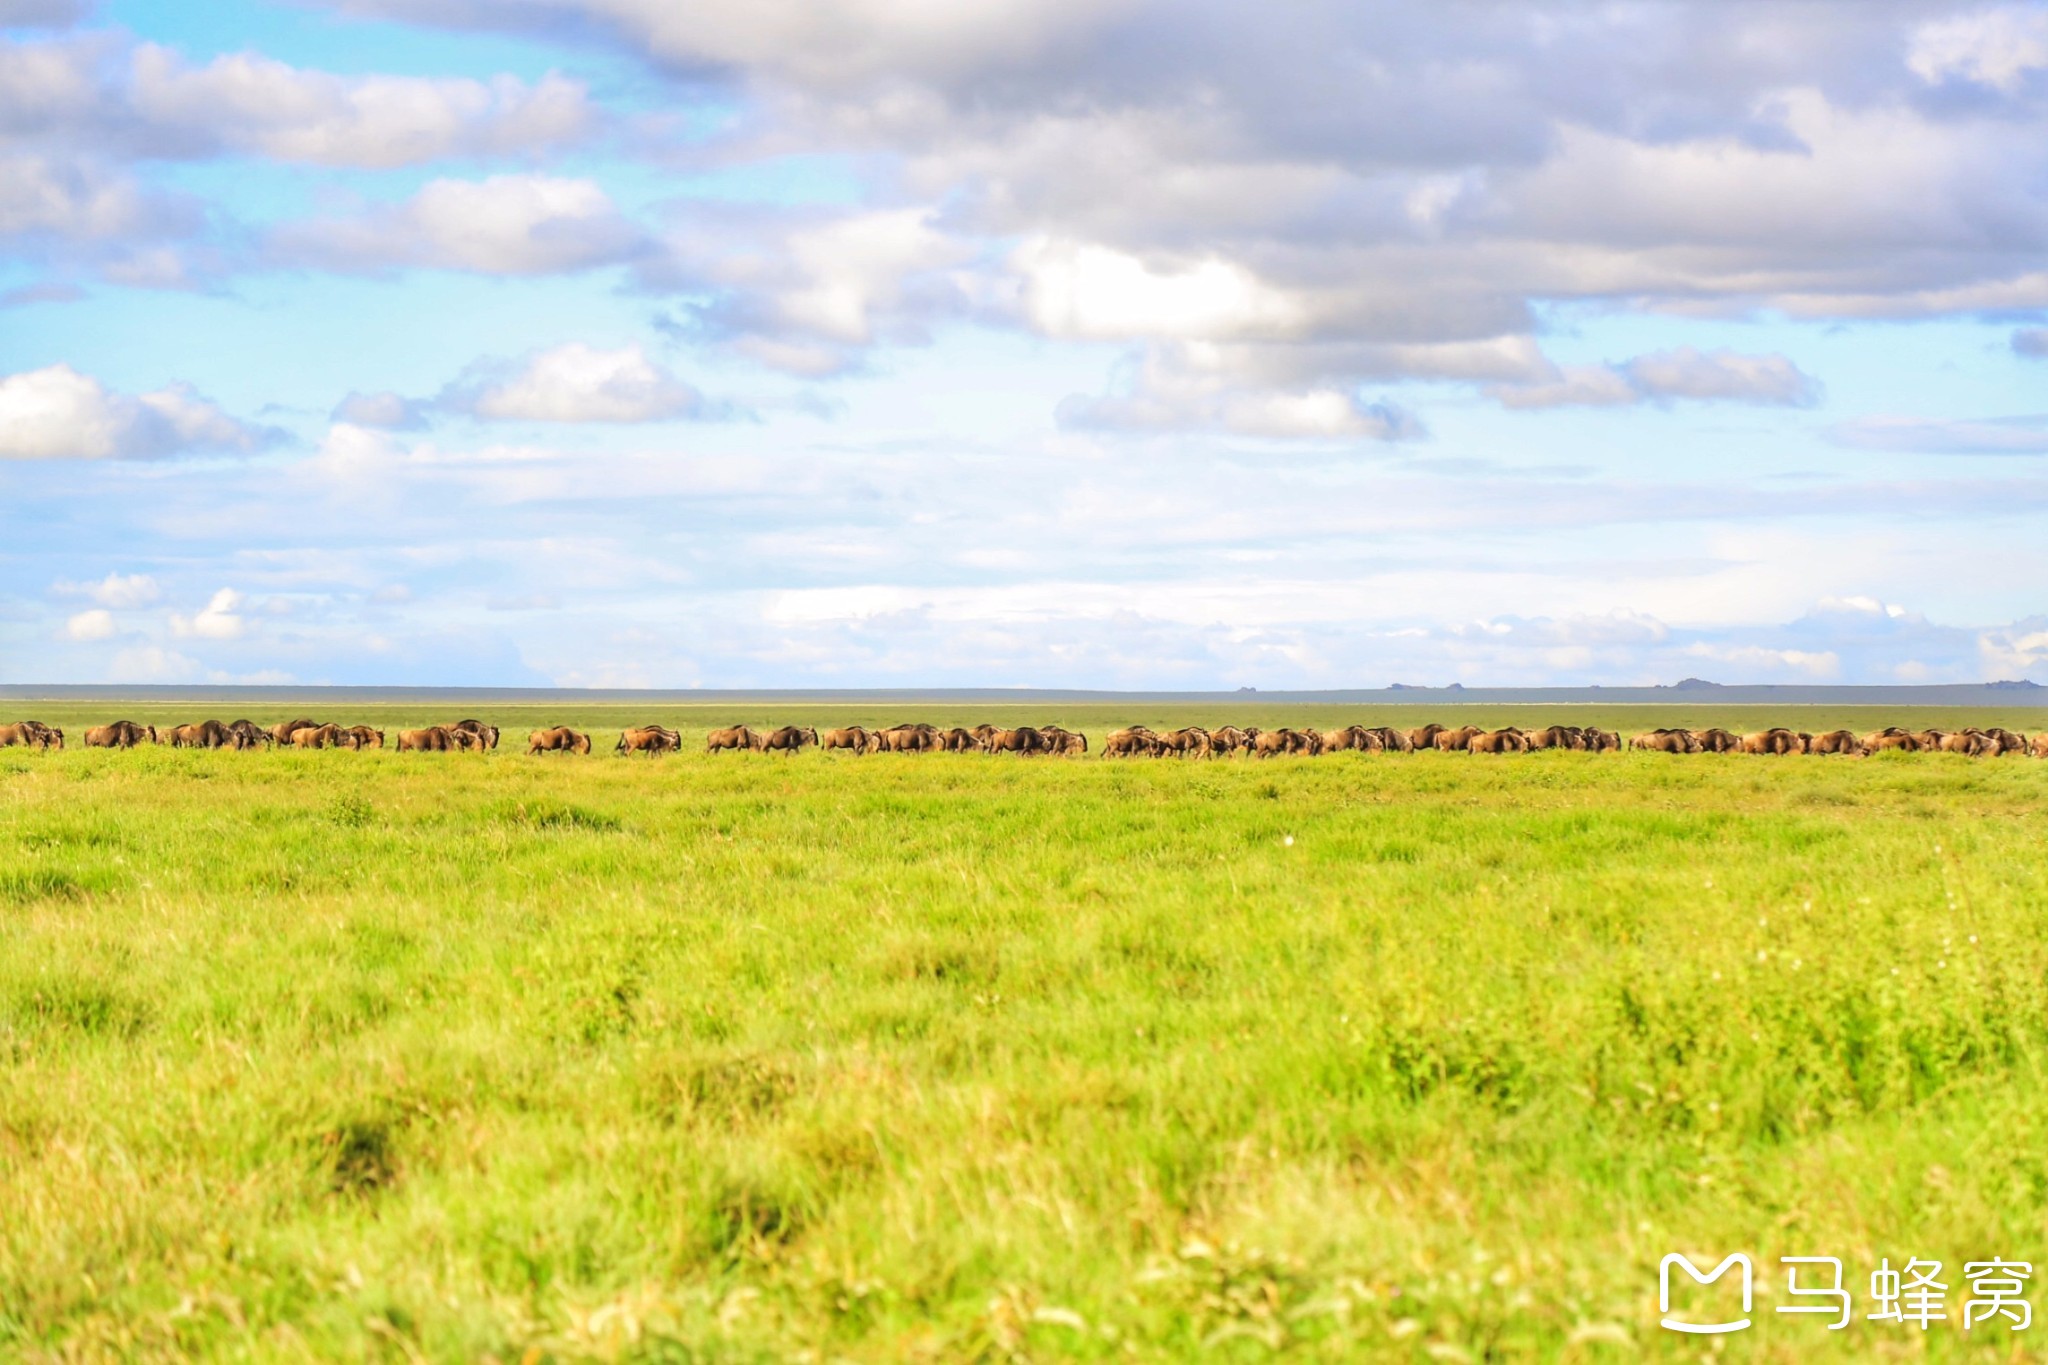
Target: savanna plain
<point x="340" y="1055"/>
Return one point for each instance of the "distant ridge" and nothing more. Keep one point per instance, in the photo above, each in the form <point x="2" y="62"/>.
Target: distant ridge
<point x="2003" y="694"/>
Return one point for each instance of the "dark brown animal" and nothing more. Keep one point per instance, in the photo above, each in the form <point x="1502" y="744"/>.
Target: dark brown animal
<point x="559" y="739"/>
<point x="1506" y="741"/>
<point x="120" y="734"/>
<point x="732" y="737"/>
<point x="435" y="739"/>
<point x="282" y="733"/>
<point x="787" y="739"/>
<point x="851" y="737"/>
<point x="650" y="740"/>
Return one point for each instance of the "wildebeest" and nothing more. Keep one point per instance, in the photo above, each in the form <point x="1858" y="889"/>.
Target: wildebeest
<point x="1059" y="740"/>
<point x="2039" y="748"/>
<point x="31" y="734"/>
<point x="1836" y="742"/>
<point x="434" y="739"/>
<point x="1507" y="741"/>
<point x="329" y="736"/>
<point x="650" y="740"/>
<point x="1454" y="740"/>
<point x="119" y="734"/>
<point x="959" y="741"/>
<point x="1891" y="739"/>
<point x="1666" y="741"/>
<point x="787" y="739"/>
<point x="1716" y="741"/>
<point x="1024" y="739"/>
<point x="248" y="734"/>
<point x="1134" y="739"/>
<point x="733" y="737"/>
<point x="282" y="732"/>
<point x="205" y="734"/>
<point x="486" y="735"/>
<point x="852" y="737"/>
<point x="559" y="739"/>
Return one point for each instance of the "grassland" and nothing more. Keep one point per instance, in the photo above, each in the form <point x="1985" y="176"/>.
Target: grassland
<point x="446" y="1057"/>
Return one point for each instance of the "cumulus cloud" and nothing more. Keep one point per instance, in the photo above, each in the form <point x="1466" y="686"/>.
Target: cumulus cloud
<point x="96" y="624"/>
<point x="804" y="294"/>
<point x="117" y="590"/>
<point x="56" y="413"/>
<point x="1665" y="376"/>
<point x="219" y="619"/>
<point x="1372" y="179"/>
<point x="1937" y="436"/>
<point x="387" y="410"/>
<point x="579" y="383"/>
<point x="253" y="104"/>
<point x="1999" y="46"/>
<point x="502" y="225"/>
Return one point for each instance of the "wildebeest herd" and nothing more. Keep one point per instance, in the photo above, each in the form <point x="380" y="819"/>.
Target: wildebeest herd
<point x="1135" y="741"/>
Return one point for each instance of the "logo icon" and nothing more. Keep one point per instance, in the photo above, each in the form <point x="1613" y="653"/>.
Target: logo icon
<point x="1702" y="1328"/>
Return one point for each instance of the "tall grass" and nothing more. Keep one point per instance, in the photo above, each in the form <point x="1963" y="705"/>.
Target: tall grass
<point x="752" y="1057"/>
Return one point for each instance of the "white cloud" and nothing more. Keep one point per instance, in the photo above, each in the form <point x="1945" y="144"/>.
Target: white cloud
<point x="56" y="413"/>
<point x="74" y="198"/>
<point x="502" y="225"/>
<point x="802" y="294"/>
<point x="119" y="591"/>
<point x="217" y="620"/>
<point x="245" y="102"/>
<point x="580" y="383"/>
<point x="1079" y="290"/>
<point x="1939" y="436"/>
<point x="1184" y="389"/>
<point x="387" y="410"/>
<point x="97" y="624"/>
<point x="1666" y="375"/>
<point x="1998" y="46"/>
<point x="151" y="664"/>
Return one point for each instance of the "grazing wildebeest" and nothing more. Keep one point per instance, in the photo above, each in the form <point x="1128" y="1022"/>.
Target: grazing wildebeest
<point x="958" y="741"/>
<point x="1455" y="741"/>
<point x="249" y="735"/>
<point x="282" y="733"/>
<point x="32" y="734"/>
<point x="1715" y="741"/>
<point x="487" y="735"/>
<point x="1507" y="741"/>
<point x="120" y="734"/>
<point x="329" y="736"/>
<point x="1666" y="741"/>
<point x="559" y="739"/>
<point x="1059" y="740"/>
<point x="435" y="739"/>
<point x="1836" y="742"/>
<point x="650" y="740"/>
<point x="206" y="734"/>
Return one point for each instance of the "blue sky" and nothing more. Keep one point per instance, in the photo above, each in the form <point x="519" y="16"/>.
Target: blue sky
<point x="1100" y="343"/>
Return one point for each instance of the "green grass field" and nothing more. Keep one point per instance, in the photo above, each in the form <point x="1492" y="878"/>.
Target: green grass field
<point x="1431" y="1057"/>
